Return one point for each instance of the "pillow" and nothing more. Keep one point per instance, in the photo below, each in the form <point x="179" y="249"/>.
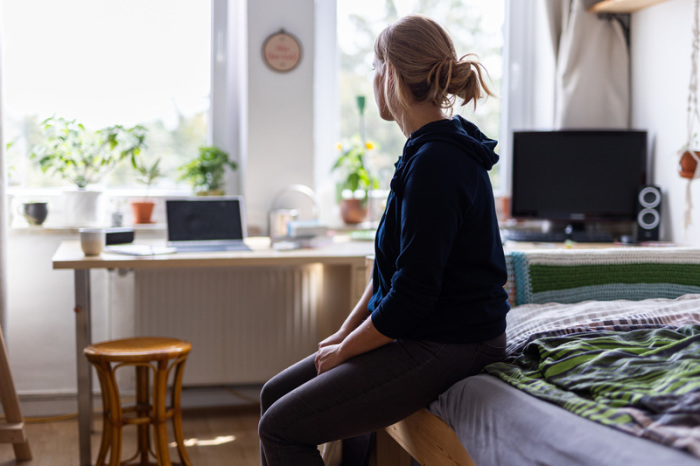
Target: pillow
<point x="570" y="276"/>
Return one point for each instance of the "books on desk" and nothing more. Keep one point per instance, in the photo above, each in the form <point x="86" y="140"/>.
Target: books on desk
<point x="139" y="249"/>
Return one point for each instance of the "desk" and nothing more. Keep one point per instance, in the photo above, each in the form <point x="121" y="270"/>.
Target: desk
<point x="341" y="253"/>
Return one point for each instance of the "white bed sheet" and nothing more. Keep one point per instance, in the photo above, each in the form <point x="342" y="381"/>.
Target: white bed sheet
<point x="502" y="426"/>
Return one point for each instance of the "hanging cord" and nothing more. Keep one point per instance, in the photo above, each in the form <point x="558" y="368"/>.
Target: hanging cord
<point x="693" y="116"/>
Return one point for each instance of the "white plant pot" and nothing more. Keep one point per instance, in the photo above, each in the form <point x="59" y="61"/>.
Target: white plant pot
<point x="81" y="207"/>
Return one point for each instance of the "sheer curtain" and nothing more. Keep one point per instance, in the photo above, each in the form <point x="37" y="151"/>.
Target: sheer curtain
<point x="592" y="87"/>
<point x="4" y="218"/>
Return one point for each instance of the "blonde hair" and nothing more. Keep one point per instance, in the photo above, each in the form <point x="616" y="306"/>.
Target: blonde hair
<point x="423" y="57"/>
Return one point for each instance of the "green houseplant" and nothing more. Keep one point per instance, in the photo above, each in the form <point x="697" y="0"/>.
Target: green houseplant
<point x="83" y="157"/>
<point x="145" y="174"/>
<point x="206" y="172"/>
<point x="353" y="180"/>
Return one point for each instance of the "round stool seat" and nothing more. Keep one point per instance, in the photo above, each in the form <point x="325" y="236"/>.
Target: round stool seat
<point x="155" y="358"/>
<point x="138" y="349"/>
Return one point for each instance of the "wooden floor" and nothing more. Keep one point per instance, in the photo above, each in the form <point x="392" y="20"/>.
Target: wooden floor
<point x="215" y="436"/>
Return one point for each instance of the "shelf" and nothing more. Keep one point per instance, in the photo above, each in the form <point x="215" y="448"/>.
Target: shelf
<point x="622" y="6"/>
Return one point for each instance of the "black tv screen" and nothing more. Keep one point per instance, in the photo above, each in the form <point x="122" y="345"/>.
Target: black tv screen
<point x="577" y="176"/>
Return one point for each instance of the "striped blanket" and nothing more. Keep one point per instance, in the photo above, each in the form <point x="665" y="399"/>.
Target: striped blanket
<point x="531" y="321"/>
<point x="570" y="276"/>
<point x="633" y="366"/>
<point x="644" y="382"/>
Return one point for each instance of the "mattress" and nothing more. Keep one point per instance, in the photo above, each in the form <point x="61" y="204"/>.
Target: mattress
<point x="500" y="425"/>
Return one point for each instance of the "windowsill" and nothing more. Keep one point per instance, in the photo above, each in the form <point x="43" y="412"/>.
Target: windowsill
<point x="48" y="228"/>
<point x="109" y="192"/>
<point x="111" y="201"/>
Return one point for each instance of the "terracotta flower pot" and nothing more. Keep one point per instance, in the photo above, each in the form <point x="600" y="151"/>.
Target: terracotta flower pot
<point x="353" y="211"/>
<point x="142" y="211"/>
<point x="688" y="164"/>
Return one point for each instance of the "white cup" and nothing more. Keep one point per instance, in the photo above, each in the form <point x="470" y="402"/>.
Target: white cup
<point x="92" y="241"/>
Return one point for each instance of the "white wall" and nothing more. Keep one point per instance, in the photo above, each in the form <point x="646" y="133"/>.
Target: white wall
<point x="661" y="48"/>
<point x="280" y="106"/>
<point x="41" y="322"/>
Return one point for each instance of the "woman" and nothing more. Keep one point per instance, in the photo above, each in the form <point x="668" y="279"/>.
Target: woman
<point x="435" y="310"/>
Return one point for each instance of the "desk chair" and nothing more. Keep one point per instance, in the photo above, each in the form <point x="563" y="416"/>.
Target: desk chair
<point x="161" y="355"/>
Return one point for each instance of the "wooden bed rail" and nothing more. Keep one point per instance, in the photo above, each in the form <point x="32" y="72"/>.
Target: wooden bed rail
<point x="423" y="436"/>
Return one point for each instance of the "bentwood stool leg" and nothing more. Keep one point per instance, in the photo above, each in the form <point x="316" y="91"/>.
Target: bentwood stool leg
<point x="115" y="414"/>
<point x="143" y="410"/>
<point x="106" y="423"/>
<point x="177" y="412"/>
<point x="159" y="413"/>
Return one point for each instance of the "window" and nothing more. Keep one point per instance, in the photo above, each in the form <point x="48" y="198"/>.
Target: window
<point x="107" y="62"/>
<point x="476" y="26"/>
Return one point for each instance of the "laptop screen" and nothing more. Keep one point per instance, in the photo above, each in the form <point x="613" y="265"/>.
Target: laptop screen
<point x="204" y="219"/>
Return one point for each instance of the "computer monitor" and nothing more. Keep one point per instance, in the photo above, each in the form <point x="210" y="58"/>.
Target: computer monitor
<point x="577" y="177"/>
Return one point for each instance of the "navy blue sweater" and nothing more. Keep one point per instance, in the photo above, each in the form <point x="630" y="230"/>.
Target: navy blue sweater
<point x="439" y="266"/>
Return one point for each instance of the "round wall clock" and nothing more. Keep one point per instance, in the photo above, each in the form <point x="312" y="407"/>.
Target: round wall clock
<point x="282" y="51"/>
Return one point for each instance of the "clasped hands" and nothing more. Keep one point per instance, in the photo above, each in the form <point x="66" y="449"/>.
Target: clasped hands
<point x="329" y="354"/>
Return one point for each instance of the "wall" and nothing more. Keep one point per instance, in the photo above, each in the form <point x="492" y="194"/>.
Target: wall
<point x="41" y="323"/>
<point x="661" y="49"/>
<point x="279" y="113"/>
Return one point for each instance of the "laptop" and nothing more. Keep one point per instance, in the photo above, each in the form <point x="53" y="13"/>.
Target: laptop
<point x="206" y="224"/>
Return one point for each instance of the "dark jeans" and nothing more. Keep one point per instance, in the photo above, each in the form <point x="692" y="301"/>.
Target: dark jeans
<point x="301" y="410"/>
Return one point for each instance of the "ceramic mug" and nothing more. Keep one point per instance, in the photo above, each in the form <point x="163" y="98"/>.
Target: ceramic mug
<point x="34" y="212"/>
<point x="92" y="240"/>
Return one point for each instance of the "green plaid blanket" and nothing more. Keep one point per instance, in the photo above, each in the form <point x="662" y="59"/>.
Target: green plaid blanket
<point x="644" y="382"/>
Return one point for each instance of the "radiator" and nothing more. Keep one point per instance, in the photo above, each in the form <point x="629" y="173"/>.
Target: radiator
<point x="245" y="324"/>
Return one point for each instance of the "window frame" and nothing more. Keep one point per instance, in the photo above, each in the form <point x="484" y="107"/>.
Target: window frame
<point x="223" y="109"/>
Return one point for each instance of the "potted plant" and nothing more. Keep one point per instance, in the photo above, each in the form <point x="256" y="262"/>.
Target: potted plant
<point x="206" y="172"/>
<point x="145" y="174"/>
<point x="84" y="157"/>
<point x="353" y="181"/>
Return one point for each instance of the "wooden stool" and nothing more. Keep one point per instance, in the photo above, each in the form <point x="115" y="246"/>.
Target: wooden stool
<point x="143" y="353"/>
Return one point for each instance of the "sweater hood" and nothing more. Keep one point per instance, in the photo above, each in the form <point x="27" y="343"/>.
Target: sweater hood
<point x="459" y="132"/>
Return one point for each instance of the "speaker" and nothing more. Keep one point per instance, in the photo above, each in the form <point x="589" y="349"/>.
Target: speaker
<point x="648" y="213"/>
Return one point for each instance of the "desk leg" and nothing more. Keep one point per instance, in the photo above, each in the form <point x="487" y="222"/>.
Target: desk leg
<point x="83" y="337"/>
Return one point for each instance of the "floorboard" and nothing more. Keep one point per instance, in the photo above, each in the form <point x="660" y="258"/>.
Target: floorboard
<point x="219" y="430"/>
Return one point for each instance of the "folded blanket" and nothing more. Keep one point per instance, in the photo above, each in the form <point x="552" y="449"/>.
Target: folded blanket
<point x="645" y="382"/>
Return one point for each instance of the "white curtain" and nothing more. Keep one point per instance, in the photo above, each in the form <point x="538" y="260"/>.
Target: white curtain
<point x="592" y="87"/>
<point x="4" y="218"/>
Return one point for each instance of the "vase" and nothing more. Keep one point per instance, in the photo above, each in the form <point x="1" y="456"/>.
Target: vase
<point x="142" y="210"/>
<point x="35" y="212"/>
<point x="81" y="207"/>
<point x="353" y="211"/>
<point x="688" y="164"/>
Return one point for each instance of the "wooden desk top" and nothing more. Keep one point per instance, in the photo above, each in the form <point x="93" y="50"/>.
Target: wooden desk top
<point x="340" y="251"/>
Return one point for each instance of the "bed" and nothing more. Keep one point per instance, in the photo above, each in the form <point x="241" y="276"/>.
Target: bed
<point x="603" y="368"/>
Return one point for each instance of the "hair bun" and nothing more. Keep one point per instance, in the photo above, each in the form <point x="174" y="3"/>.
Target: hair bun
<point x="424" y="58"/>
